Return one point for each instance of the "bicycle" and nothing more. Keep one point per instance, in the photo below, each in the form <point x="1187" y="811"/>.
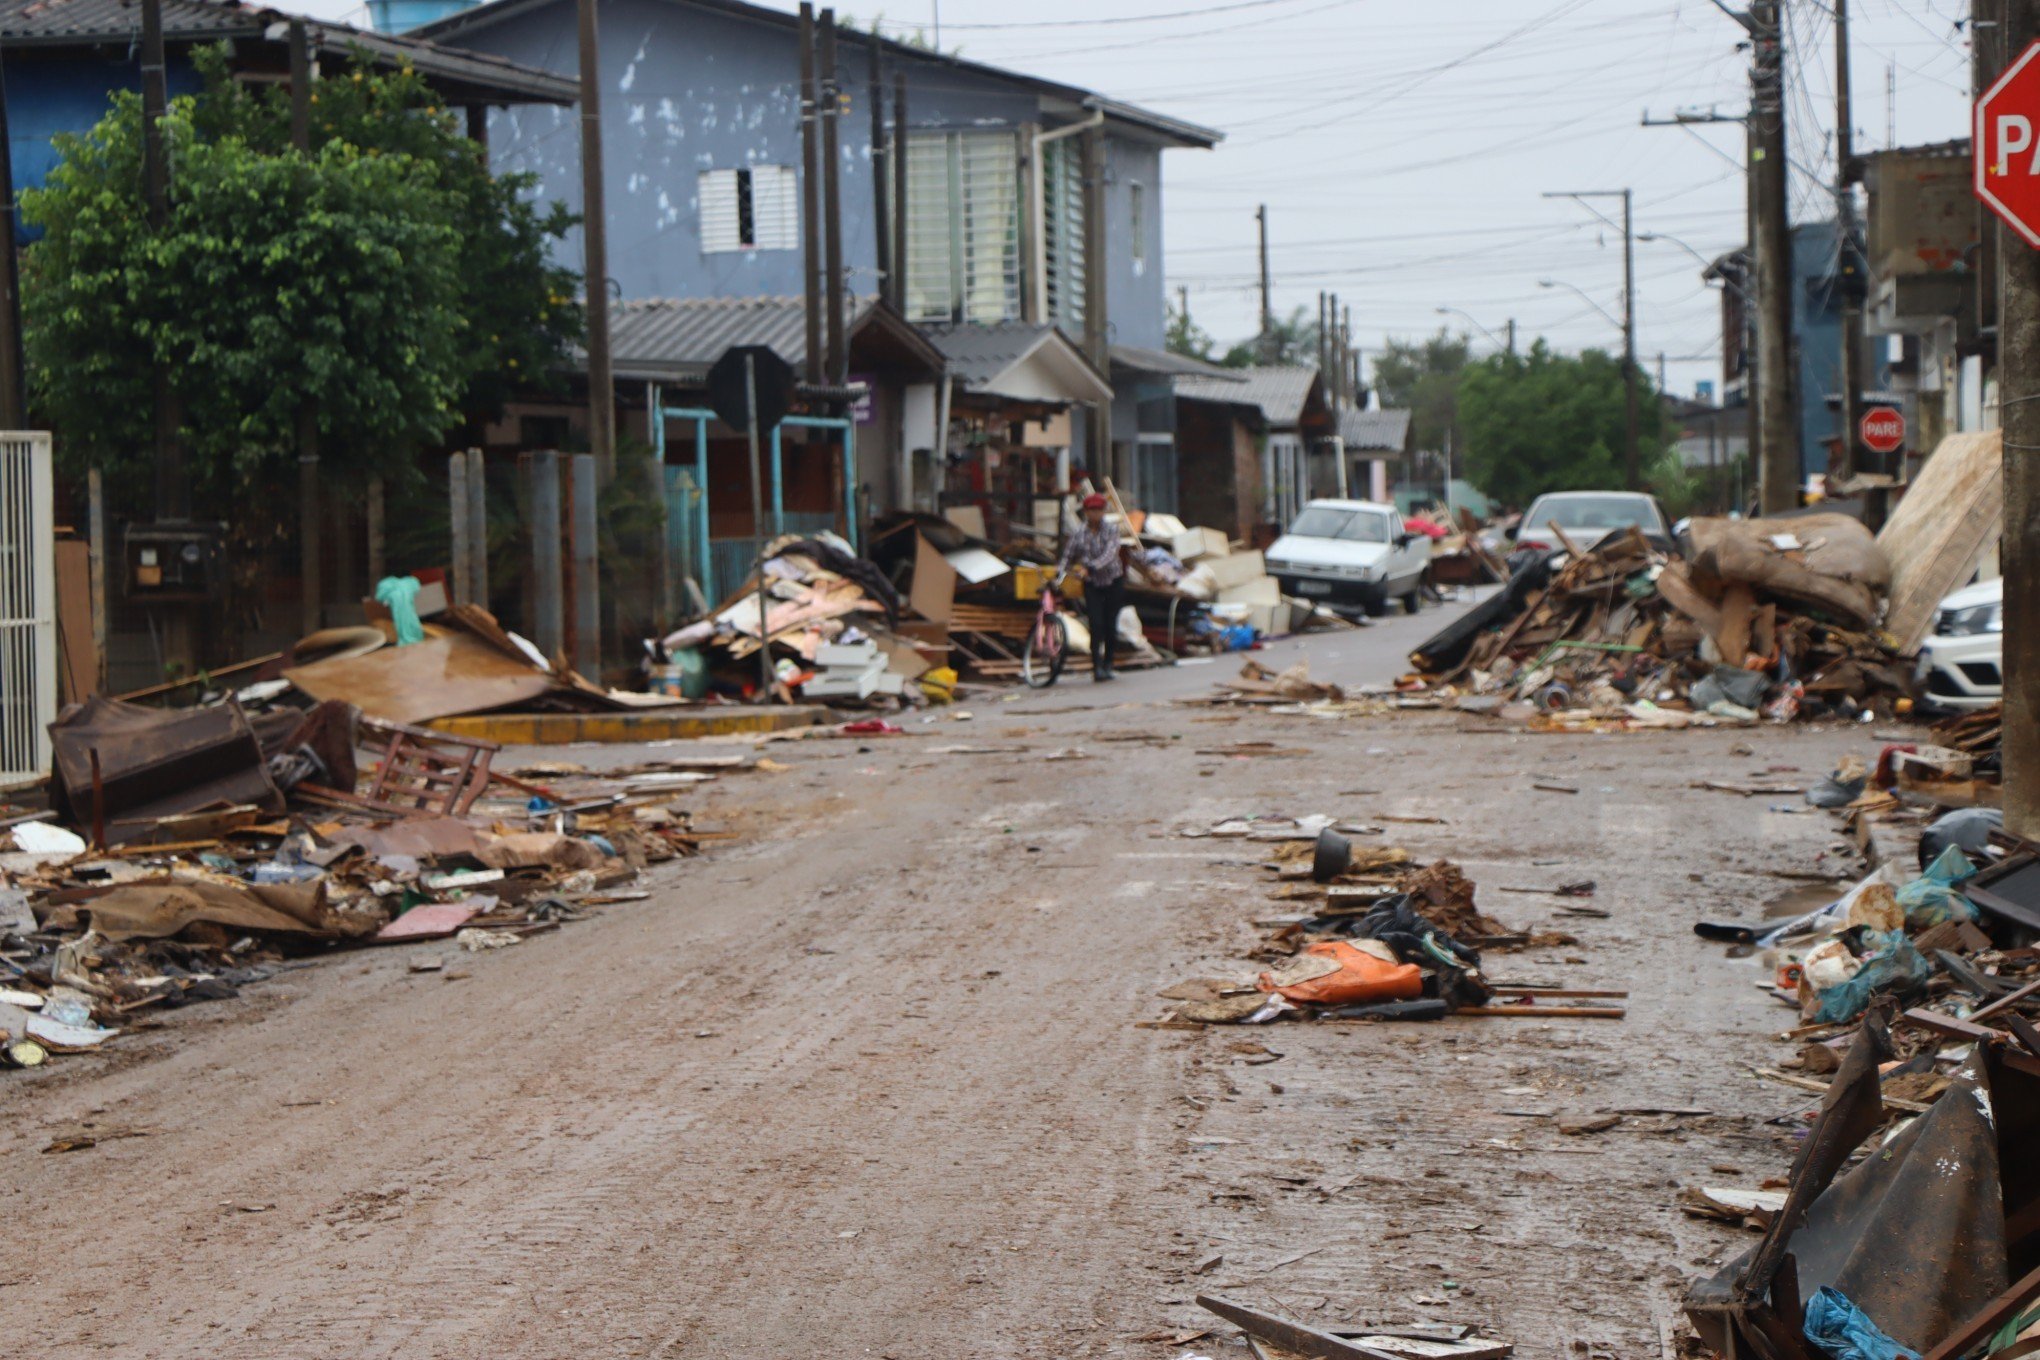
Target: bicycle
<point x="1048" y="645"/>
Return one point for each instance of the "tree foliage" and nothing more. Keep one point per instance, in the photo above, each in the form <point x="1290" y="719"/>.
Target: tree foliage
<point x="1293" y="341"/>
<point x="1545" y="421"/>
<point x="384" y="280"/>
<point x="1186" y="337"/>
<point x="1422" y="377"/>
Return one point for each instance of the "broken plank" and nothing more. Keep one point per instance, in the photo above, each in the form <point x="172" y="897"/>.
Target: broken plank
<point x="1291" y="1336"/>
<point x="1547" y="1012"/>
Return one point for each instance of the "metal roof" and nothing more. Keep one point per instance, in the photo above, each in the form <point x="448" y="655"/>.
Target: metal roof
<point x="681" y="337"/>
<point x="1385" y="429"/>
<point x="1155" y="124"/>
<point x="461" y="75"/>
<point x="1143" y="360"/>
<point x="1280" y="391"/>
<point x="979" y="354"/>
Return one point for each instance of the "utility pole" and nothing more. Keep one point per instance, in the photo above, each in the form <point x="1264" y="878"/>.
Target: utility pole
<point x="1632" y="458"/>
<point x="1511" y="333"/>
<point x="2019" y="414"/>
<point x="810" y="196"/>
<point x="1856" y="459"/>
<point x="899" y="187"/>
<point x="311" y="505"/>
<point x="1780" y="469"/>
<point x="595" y="252"/>
<point x="173" y="491"/>
<point x="1267" y="306"/>
<point x="832" y="199"/>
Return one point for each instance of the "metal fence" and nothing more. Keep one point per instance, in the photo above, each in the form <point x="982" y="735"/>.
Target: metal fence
<point x="28" y="605"/>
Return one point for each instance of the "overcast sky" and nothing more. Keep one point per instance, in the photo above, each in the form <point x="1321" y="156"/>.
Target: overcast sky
<point x="1402" y="148"/>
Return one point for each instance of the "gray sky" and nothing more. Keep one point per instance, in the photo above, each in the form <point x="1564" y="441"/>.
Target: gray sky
<point x="1402" y="148"/>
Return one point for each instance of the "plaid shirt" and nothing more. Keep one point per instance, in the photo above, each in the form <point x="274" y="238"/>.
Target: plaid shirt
<point x="1096" y="550"/>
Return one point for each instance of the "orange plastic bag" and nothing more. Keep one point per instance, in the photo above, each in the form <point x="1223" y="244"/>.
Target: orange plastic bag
<point x="1361" y="979"/>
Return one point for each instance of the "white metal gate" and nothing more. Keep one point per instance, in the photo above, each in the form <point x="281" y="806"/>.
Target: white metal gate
<point x="28" y="606"/>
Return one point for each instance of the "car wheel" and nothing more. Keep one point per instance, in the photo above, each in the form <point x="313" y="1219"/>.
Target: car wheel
<point x="1412" y="602"/>
<point x="1376" y="606"/>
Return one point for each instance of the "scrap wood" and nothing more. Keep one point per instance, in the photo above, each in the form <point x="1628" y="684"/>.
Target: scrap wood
<point x="1533" y="1011"/>
<point x="1291" y="1336"/>
<point x="1821" y="1088"/>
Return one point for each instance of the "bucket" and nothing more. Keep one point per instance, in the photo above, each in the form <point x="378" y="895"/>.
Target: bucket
<point x="684" y="677"/>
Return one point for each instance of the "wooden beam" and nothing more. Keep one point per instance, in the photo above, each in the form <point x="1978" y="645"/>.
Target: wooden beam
<point x="1290" y="1336"/>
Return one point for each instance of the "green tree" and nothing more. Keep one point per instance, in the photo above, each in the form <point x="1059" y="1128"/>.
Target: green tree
<point x="1545" y="421"/>
<point x="1186" y="337"/>
<point x="384" y="279"/>
<point x="1293" y="341"/>
<point x="1422" y="377"/>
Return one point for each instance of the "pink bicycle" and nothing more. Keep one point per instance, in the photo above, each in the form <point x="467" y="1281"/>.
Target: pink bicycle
<point x="1048" y="645"/>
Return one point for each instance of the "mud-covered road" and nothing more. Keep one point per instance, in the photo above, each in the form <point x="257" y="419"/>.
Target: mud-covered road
<point x="868" y="1081"/>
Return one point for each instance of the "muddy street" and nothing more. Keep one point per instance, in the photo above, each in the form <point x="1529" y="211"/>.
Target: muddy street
<point x="868" y="1081"/>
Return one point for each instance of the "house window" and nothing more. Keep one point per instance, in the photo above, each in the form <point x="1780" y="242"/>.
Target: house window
<point x="1137" y="220"/>
<point x="963" y="226"/>
<point x="1062" y="228"/>
<point x="755" y="208"/>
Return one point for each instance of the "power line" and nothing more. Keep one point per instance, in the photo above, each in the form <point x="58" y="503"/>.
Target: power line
<point x="1130" y="18"/>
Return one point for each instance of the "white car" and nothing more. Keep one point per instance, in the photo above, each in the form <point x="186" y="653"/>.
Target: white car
<point x="1590" y="516"/>
<point x="1351" y="553"/>
<point x="1962" y="665"/>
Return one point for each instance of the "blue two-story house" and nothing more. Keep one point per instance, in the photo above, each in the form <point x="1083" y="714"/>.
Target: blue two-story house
<point x="702" y="159"/>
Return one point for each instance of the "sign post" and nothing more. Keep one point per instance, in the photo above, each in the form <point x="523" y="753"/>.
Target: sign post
<point x="2007" y="151"/>
<point x="750" y="388"/>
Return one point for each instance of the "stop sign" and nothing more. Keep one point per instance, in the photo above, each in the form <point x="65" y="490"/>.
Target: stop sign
<point x="2008" y="147"/>
<point x="1883" y="429"/>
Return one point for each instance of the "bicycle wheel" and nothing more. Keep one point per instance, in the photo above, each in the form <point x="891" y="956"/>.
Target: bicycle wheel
<point x="1048" y="647"/>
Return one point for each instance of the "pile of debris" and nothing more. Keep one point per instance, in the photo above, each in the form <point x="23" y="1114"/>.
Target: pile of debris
<point x="1768" y="618"/>
<point x="206" y="849"/>
<point x="1386" y="938"/>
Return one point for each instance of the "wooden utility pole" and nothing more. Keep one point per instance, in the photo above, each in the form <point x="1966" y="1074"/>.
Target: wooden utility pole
<point x="810" y="197"/>
<point x="311" y="505"/>
<point x="1267" y="305"/>
<point x="1856" y="459"/>
<point x="899" y="187"/>
<point x="1632" y="455"/>
<point x="1780" y="471"/>
<point x="2019" y="407"/>
<point x="595" y="252"/>
<point x="832" y="197"/>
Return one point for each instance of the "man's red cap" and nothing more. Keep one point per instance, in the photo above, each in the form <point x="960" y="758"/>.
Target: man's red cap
<point x="1094" y="501"/>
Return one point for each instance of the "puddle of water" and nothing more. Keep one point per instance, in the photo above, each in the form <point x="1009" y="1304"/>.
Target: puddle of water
<point x="1801" y="898"/>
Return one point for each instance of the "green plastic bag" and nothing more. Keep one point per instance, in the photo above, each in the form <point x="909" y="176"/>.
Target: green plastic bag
<point x="399" y="595"/>
<point x="1931" y="898"/>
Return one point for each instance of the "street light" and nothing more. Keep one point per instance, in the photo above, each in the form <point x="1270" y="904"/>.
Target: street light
<point x="1583" y="296"/>
<point x="1632" y="458"/>
<point x="1509" y="345"/>
<point x="1705" y="263"/>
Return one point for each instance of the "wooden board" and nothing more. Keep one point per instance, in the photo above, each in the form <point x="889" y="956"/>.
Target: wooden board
<point x="1940" y="529"/>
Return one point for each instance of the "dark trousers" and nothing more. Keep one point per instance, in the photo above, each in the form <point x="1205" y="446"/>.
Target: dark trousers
<point x="1101" y="611"/>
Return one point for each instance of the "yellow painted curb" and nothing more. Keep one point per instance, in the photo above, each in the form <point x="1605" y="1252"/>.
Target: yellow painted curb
<point x="564" y="729"/>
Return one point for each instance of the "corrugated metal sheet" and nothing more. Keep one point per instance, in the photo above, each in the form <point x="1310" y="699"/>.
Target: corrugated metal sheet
<point x="1280" y="391"/>
<point x="1386" y="429"/>
<point x="683" y="336"/>
<point x="979" y="353"/>
<point x="1161" y="361"/>
<point x="57" y="23"/>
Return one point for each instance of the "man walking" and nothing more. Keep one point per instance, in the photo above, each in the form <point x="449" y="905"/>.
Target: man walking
<point x="1096" y="551"/>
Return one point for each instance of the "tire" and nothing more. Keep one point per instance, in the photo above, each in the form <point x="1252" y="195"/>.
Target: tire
<point x="1413" y="601"/>
<point x="1375" y="605"/>
<point x="1040" y="671"/>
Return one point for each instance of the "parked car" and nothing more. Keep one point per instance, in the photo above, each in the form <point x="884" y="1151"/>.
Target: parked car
<point x="1962" y="665"/>
<point x="1590" y="516"/>
<point x="1355" y="553"/>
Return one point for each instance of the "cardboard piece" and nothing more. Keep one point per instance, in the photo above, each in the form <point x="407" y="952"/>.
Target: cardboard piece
<point x="1260" y="590"/>
<point x="1940" y="529"/>
<point x="1236" y="569"/>
<point x="1192" y="544"/>
<point x="932" y="594"/>
<point x="969" y="518"/>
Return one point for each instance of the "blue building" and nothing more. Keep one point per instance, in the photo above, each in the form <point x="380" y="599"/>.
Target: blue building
<point x="701" y="159"/>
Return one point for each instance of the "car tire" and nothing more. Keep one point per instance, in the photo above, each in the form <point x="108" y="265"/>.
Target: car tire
<point x="1376" y="605"/>
<point x="1413" y="602"/>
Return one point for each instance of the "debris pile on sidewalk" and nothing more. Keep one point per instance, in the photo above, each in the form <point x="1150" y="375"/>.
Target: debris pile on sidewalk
<point x="206" y="849"/>
<point x="1386" y="938"/>
<point x="1769" y="619"/>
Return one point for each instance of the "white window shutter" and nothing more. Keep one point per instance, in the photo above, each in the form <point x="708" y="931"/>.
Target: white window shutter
<point x="775" y="206"/>
<point x="718" y="194"/>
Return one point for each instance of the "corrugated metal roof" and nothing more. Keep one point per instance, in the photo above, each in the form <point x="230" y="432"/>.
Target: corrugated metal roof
<point x="979" y="352"/>
<point x="1279" y="390"/>
<point x="679" y="338"/>
<point x="59" y="23"/>
<point x="1143" y="360"/>
<point x="1385" y="429"/>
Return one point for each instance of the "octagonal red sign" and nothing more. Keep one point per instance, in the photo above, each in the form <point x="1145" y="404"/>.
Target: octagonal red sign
<point x="1883" y="429"/>
<point x="2008" y="145"/>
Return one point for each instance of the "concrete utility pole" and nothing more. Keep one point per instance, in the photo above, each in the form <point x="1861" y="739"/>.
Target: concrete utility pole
<point x="173" y="490"/>
<point x="311" y="505"/>
<point x="832" y="201"/>
<point x="1856" y="458"/>
<point x="1632" y="456"/>
<point x="1267" y="305"/>
<point x="1780" y="472"/>
<point x="595" y="252"/>
<point x="882" y="167"/>
<point x="2019" y="407"/>
<point x="899" y="166"/>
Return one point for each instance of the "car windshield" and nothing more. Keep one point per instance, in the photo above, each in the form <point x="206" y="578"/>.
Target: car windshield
<point x="1355" y="526"/>
<point x="1595" y="512"/>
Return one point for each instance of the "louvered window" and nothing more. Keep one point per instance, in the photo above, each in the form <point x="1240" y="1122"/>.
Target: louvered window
<point x="755" y="208"/>
<point x="963" y="226"/>
<point x="1062" y="230"/>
